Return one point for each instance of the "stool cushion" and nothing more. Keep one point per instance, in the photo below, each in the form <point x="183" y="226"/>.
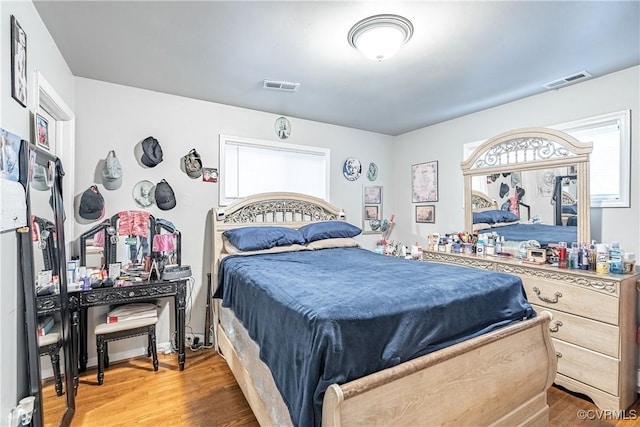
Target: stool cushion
<point x="106" y="328"/>
<point x="48" y="339"/>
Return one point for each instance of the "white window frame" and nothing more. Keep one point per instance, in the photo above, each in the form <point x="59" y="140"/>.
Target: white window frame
<point x="225" y="199"/>
<point x="623" y="119"/>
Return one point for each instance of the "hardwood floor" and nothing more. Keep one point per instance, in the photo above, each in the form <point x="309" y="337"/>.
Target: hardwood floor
<point x="206" y="394"/>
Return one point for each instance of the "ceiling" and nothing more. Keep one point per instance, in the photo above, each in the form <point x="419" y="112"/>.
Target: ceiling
<point x="463" y="57"/>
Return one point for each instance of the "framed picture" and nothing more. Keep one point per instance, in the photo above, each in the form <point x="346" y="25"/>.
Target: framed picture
<point x="372" y="195"/>
<point x="371" y="212"/>
<point x="426" y="213"/>
<point x="42" y="132"/>
<point x="424" y="182"/>
<point x="371" y="209"/>
<point x="18" y="62"/>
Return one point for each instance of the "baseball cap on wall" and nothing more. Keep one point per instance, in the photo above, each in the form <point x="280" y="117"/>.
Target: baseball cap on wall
<point x="112" y="172"/>
<point x="193" y="164"/>
<point x="164" y="195"/>
<point x="151" y="152"/>
<point x="91" y="204"/>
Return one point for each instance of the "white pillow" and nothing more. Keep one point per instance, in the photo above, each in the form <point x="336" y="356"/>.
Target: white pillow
<point x="336" y="242"/>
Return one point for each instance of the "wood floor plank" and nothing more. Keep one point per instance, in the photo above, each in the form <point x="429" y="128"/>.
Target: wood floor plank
<point x="206" y="394"/>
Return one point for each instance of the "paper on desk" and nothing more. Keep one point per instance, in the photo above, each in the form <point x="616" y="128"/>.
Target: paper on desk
<point x="13" y="205"/>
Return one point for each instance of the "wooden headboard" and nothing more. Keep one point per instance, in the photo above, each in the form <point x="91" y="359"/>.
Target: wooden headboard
<point x="482" y="202"/>
<point x="267" y="209"/>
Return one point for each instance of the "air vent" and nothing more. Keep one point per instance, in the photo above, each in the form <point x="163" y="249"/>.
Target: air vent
<point x="280" y="85"/>
<point x="567" y="80"/>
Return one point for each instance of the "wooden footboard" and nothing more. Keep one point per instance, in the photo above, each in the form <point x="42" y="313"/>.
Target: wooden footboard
<point x="500" y="378"/>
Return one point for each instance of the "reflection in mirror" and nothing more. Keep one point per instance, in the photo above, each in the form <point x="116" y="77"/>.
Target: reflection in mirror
<point x="533" y="195"/>
<point x="46" y="274"/>
<point x="511" y="187"/>
<point x="167" y="242"/>
<point x="134" y="231"/>
<point x="95" y="244"/>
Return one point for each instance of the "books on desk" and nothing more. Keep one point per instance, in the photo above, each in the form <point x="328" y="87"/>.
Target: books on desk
<point x="131" y="311"/>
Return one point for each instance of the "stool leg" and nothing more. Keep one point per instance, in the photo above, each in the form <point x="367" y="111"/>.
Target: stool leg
<point x="154" y="351"/>
<point x="54" y="353"/>
<point x="100" y="344"/>
<point x="148" y="345"/>
<point x="106" y="354"/>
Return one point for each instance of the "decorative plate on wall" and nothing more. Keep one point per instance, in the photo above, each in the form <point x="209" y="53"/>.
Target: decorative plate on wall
<point x="283" y="128"/>
<point x="352" y="169"/>
<point x="372" y="173"/>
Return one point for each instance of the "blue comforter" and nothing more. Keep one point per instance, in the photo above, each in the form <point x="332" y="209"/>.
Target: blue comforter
<point x="334" y="315"/>
<point x="543" y="233"/>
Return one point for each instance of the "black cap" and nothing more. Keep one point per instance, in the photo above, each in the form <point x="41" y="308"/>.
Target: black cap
<point x="504" y="189"/>
<point x="165" y="198"/>
<point x="151" y="152"/>
<point x="91" y="204"/>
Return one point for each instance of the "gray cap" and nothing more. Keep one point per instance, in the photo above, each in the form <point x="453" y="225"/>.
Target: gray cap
<point x="112" y="172"/>
<point x="151" y="152"/>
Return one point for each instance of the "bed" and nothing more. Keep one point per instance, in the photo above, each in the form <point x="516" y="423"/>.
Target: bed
<point x="488" y="219"/>
<point x="494" y="371"/>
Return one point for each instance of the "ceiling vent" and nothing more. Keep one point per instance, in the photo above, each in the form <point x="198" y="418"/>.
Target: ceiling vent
<point x="568" y="80"/>
<point x="280" y="85"/>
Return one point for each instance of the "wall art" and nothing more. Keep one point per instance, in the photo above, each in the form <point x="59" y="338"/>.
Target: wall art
<point x="424" y="182"/>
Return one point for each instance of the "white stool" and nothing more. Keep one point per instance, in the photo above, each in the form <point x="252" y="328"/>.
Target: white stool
<point x="106" y="332"/>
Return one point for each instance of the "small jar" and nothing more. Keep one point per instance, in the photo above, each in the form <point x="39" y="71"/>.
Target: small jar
<point x="629" y="263"/>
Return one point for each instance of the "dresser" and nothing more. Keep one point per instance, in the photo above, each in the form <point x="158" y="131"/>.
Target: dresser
<point x="593" y="328"/>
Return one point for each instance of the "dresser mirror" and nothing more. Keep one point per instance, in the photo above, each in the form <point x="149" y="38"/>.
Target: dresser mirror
<point x="133" y="238"/>
<point x="45" y="288"/>
<point x="540" y="176"/>
<point x="95" y="244"/>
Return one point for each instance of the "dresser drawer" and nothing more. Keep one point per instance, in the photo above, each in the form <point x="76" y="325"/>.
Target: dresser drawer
<point x="588" y="367"/>
<point x="597" y="336"/>
<point x="572" y="299"/>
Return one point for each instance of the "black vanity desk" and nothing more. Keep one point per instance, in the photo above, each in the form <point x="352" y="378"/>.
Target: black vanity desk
<point x="80" y="301"/>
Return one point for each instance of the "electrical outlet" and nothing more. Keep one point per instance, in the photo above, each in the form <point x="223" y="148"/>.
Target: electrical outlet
<point x="189" y="340"/>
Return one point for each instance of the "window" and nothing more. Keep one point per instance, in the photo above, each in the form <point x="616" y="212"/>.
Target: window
<point x="609" y="165"/>
<point x="249" y="166"/>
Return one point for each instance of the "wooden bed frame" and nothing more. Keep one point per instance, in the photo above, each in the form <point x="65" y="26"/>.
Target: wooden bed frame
<point x="500" y="378"/>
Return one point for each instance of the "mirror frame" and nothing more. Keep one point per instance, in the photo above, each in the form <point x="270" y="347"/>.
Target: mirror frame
<point x="30" y="296"/>
<point x="531" y="149"/>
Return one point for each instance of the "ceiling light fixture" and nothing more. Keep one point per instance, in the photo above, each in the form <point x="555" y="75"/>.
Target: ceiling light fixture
<point x="380" y="37"/>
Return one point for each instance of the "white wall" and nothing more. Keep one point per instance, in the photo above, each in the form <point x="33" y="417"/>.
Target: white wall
<point x="443" y="142"/>
<point x="42" y="55"/>
<point x="115" y="117"/>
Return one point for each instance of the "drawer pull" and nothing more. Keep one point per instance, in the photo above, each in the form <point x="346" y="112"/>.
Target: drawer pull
<point x="556" y="326"/>
<point x="558" y="354"/>
<point x="545" y="299"/>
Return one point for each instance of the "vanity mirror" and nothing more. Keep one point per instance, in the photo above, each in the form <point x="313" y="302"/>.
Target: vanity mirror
<point x="529" y="184"/>
<point x="133" y="237"/>
<point x="44" y="281"/>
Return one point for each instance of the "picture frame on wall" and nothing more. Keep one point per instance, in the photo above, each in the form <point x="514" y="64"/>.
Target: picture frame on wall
<point x="371" y="209"/>
<point x="371" y="212"/>
<point x="372" y="195"/>
<point x="426" y="214"/>
<point x="18" y="62"/>
<point x="424" y="182"/>
<point x="42" y="132"/>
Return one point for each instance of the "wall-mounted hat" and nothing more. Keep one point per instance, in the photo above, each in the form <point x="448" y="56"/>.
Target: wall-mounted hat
<point x="165" y="198"/>
<point x="193" y="164"/>
<point x="504" y="189"/>
<point x="91" y="204"/>
<point x="40" y="179"/>
<point x="112" y="172"/>
<point x="151" y="152"/>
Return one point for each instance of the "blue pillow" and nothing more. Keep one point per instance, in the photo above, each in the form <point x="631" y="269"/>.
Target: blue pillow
<point x="328" y="230"/>
<point x="256" y="238"/>
<point x="570" y="209"/>
<point x="494" y="217"/>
